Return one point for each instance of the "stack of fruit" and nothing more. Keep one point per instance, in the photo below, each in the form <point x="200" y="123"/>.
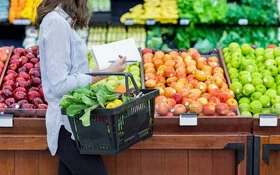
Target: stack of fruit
<point x="255" y="78"/>
<point x="169" y="12"/>
<point x="188" y="82"/>
<point x="163" y="11"/>
<point x="4" y="54"/>
<point x="97" y="36"/>
<point x="116" y="33"/>
<point x="99" y="5"/>
<point x="138" y="34"/>
<point x="21" y="88"/>
<point x="23" y="9"/>
<point x="118" y="82"/>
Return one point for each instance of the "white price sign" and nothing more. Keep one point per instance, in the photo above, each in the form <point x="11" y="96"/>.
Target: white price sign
<point x="6" y="121"/>
<point x="184" y="21"/>
<point x="268" y="120"/>
<point x="188" y="119"/>
<point x="129" y="22"/>
<point x="150" y="22"/>
<point x="22" y="22"/>
<point x="243" y="22"/>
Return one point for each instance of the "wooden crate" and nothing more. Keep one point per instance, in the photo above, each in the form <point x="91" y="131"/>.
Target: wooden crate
<point x="217" y="146"/>
<point x="266" y="149"/>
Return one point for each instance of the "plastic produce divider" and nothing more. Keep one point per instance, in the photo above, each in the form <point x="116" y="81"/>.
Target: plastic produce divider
<point x="6" y="65"/>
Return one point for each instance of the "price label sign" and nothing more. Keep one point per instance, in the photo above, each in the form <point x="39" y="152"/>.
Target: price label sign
<point x="188" y="119"/>
<point x="6" y="120"/>
<point x="22" y="22"/>
<point x="268" y="120"/>
<point x="184" y="21"/>
<point x="150" y="22"/>
<point x="243" y="22"/>
<point x="129" y="22"/>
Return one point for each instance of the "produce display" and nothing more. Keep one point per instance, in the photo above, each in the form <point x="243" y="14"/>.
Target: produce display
<point x="99" y="5"/>
<point x="118" y="82"/>
<point x="255" y="78"/>
<point x="103" y="35"/>
<point x="162" y="11"/>
<point x="21" y="87"/>
<point x="23" y="9"/>
<point x="86" y="99"/>
<point x="4" y="10"/>
<point x="188" y="82"/>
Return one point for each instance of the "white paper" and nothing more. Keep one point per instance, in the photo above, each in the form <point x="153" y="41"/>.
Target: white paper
<point x="103" y="54"/>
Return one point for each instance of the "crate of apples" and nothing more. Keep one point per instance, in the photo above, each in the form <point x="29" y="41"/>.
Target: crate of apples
<point x="188" y="83"/>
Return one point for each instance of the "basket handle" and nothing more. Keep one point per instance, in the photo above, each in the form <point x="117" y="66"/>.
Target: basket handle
<point x="125" y="74"/>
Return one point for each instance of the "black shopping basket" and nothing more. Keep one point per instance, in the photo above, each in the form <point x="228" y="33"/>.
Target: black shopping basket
<point x="113" y="131"/>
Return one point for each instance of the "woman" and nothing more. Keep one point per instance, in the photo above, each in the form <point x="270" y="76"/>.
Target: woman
<point x="64" y="62"/>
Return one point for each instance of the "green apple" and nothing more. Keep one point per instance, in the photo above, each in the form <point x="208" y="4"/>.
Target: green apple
<point x="277" y="77"/>
<point x="257" y="81"/>
<point x="225" y="50"/>
<point x="261" y="88"/>
<point x="275" y="99"/>
<point x="244" y="73"/>
<point x="259" y="51"/>
<point x="266" y="111"/>
<point x="278" y="68"/>
<point x="271" y="93"/>
<point x="244" y="107"/>
<point x="234" y="80"/>
<point x="134" y="68"/>
<point x="273" y="70"/>
<point x="276" y="108"/>
<point x="248" y="89"/>
<point x="268" y="55"/>
<point x="265" y="73"/>
<point x="269" y="50"/>
<point x="277" y="59"/>
<point x="276" y="52"/>
<point x="256" y="106"/>
<point x="251" y="68"/>
<point x="270" y="62"/>
<point x="251" y="56"/>
<point x="278" y="90"/>
<point x="268" y="81"/>
<point x="227" y="59"/>
<point x="259" y="59"/>
<point x="246" y="114"/>
<point x="256" y="115"/>
<point x="239" y="96"/>
<point x="247" y="62"/>
<point x="256" y="96"/>
<point x="236" y="87"/>
<point x="236" y="62"/>
<point x="244" y="100"/>
<point x="113" y="83"/>
<point x="135" y="73"/>
<point x="246" y="49"/>
<point x="274" y="86"/>
<point x="265" y="100"/>
<point x="233" y="71"/>
<point x="229" y="66"/>
<point x="245" y="79"/>
<point x="233" y="47"/>
<point x="256" y="75"/>
<point x="233" y="75"/>
<point x="261" y="66"/>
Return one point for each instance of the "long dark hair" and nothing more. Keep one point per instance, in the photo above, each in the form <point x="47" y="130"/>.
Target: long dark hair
<point x="76" y="9"/>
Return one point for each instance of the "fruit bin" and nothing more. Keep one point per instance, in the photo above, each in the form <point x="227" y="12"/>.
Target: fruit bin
<point x="189" y="79"/>
<point x="113" y="131"/>
<point x="21" y="92"/>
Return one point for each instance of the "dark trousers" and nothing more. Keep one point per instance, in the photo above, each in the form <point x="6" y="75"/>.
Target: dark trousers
<point x="71" y="162"/>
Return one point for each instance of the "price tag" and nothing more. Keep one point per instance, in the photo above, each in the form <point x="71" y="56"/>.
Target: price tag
<point x="188" y="119"/>
<point x="268" y="120"/>
<point x="129" y="22"/>
<point x="243" y="22"/>
<point x="150" y="22"/>
<point x="184" y="21"/>
<point x="22" y="22"/>
<point x="6" y="120"/>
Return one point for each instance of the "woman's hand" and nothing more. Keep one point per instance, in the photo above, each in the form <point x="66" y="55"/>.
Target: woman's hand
<point x="118" y="66"/>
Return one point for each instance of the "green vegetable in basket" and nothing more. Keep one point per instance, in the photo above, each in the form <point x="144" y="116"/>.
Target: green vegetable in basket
<point x="86" y="99"/>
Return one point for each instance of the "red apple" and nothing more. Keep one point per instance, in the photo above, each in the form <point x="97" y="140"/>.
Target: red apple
<point x="230" y="113"/>
<point x="196" y="107"/>
<point x="232" y="104"/>
<point x="178" y="98"/>
<point x="209" y="109"/>
<point x="170" y="102"/>
<point x="179" y="109"/>
<point x="162" y="108"/>
<point x="160" y="99"/>
<point x="223" y="97"/>
<point x="202" y="100"/>
<point x="222" y="108"/>
<point x="214" y="100"/>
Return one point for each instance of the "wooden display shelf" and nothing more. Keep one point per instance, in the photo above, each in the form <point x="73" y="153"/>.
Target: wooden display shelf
<point x="266" y="149"/>
<point x="173" y="149"/>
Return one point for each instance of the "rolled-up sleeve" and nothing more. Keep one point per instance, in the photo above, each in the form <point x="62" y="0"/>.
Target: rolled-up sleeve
<point x="57" y="42"/>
